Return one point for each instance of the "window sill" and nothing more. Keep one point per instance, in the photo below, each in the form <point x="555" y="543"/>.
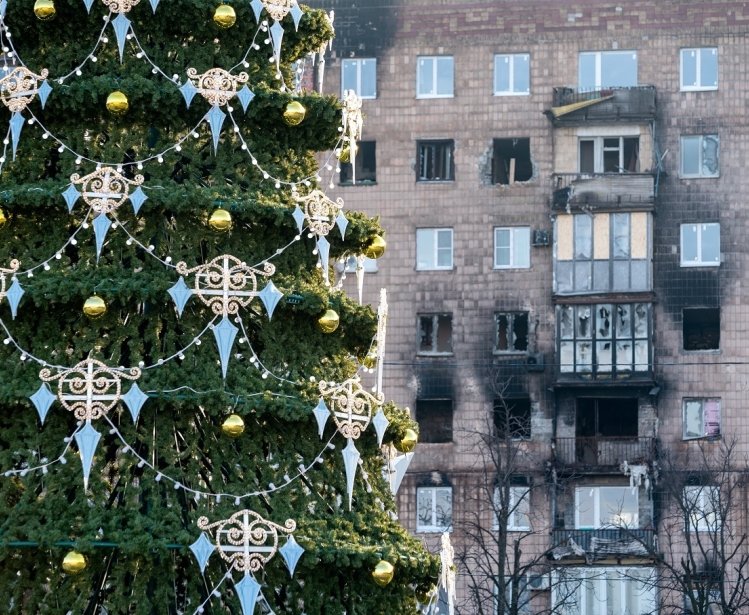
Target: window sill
<point x="495" y="268"/>
<point x="706" y="351"/>
<point x="717" y="438"/>
<point x="699" y="88"/>
<point x="510" y="353"/>
<point x="422" y="269"/>
<point x="435" y="181"/>
<point x="433" y="530"/>
<point x="429" y="96"/>
<point x="698" y="265"/>
<point x="682" y="176"/>
<point x="434" y="354"/>
<point x="498" y="94"/>
<point x="363" y="182"/>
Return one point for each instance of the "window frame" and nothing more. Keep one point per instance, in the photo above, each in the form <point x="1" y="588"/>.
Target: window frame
<point x="511" y="316"/>
<point x="707" y="495"/>
<point x="433" y="144"/>
<point x="434" y="263"/>
<point x="599" y="150"/>
<point x="434" y="59"/>
<point x="597" y="523"/>
<point x="433" y="527"/>
<point x="511" y="60"/>
<point x="699" y="261"/>
<point x="597" y="580"/>
<point x="428" y="434"/>
<point x="345" y="175"/>
<point x="435" y="316"/>
<point x="520" y="431"/>
<point x="598" y="74"/>
<point x="698" y="65"/>
<point x="700" y="162"/>
<point x="359" y="63"/>
<point x="703" y="418"/>
<point x="513" y="230"/>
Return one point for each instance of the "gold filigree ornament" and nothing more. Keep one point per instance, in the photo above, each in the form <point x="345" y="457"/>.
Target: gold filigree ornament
<point x="278" y="9"/>
<point x="14" y="265"/>
<point x="351" y="405"/>
<point x="120" y="6"/>
<point x="225" y="283"/>
<point x="19" y="87"/>
<point x="319" y="211"/>
<point x="246" y="541"/>
<point x="216" y="85"/>
<point x="105" y="189"/>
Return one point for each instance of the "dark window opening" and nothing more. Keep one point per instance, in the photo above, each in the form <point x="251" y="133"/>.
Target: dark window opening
<point x="435" y="333"/>
<point x="435" y="161"/>
<point x="435" y="419"/>
<point x="512" y="418"/>
<point x="366" y="165"/>
<point x="512" y="161"/>
<point x="607" y="417"/>
<point x="512" y="331"/>
<point x="701" y="329"/>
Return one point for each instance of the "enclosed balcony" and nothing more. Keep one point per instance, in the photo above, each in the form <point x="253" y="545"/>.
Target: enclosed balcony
<point x="628" y="104"/>
<point x="602" y="453"/>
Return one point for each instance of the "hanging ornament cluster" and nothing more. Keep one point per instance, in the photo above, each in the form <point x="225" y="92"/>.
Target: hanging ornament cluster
<point x="17" y="89"/>
<point x="246" y="542"/>
<point x="351" y="128"/>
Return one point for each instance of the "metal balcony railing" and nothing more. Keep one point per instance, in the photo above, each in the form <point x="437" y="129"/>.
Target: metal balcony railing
<point x="571" y="106"/>
<point x="599" y="544"/>
<point x="603" y="452"/>
<point x="605" y="188"/>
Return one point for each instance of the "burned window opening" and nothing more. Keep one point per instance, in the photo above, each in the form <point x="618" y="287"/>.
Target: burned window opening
<point x="511" y="161"/>
<point x="512" y="418"/>
<point x="435" y="419"/>
<point x="435" y="334"/>
<point x="435" y="161"/>
<point x="701" y="328"/>
<point x="511" y="334"/>
<point x="366" y="165"/>
<point x="607" y="417"/>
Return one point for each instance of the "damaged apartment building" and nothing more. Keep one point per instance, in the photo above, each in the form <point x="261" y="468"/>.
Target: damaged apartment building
<point x="561" y="186"/>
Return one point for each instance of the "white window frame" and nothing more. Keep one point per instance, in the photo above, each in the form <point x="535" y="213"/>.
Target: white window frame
<point x="599" y="149"/>
<point x="435" y="316"/>
<point x="510" y="59"/>
<point x="514" y="519"/>
<point x="433" y="527"/>
<point x="369" y="265"/>
<point x="358" y="62"/>
<point x="597" y="524"/>
<point x="434" y="265"/>
<point x="704" y="433"/>
<point x="699" y="174"/>
<point x="589" y="579"/>
<point x="699" y="262"/>
<point x="598" y="56"/>
<point x="699" y="501"/>
<point x="434" y="60"/>
<point x="513" y="251"/>
<point x="699" y="87"/>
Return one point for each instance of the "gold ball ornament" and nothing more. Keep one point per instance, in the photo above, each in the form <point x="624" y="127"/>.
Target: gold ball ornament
<point x="94" y="307"/>
<point x="117" y="103"/>
<point x="376" y="248"/>
<point x="328" y="322"/>
<point x="220" y="220"/>
<point x="233" y="426"/>
<point x="345" y="154"/>
<point x="370" y="360"/>
<point x="224" y="16"/>
<point x="44" y="9"/>
<point x="294" y="113"/>
<point x="3" y="219"/>
<point x="408" y="442"/>
<point x="383" y="573"/>
<point x="73" y="562"/>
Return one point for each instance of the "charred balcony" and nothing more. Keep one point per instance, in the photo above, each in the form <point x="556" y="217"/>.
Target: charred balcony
<point x="571" y="107"/>
<point x="610" y="191"/>
<point x="602" y="544"/>
<point x="601" y="454"/>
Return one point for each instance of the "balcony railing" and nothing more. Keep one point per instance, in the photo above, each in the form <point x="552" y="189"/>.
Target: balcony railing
<point x="570" y="106"/>
<point x="601" y="188"/>
<point x="600" y="544"/>
<point x="603" y="452"/>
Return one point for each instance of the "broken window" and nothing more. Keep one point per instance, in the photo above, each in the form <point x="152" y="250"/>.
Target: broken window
<point x="435" y="334"/>
<point x="511" y="332"/>
<point x="512" y="418"/>
<point x="606" y="340"/>
<point x="602" y="252"/>
<point x="700" y="245"/>
<point x="366" y="165"/>
<point x="606" y="417"/>
<point x="607" y="69"/>
<point x="511" y="161"/>
<point x="701" y="418"/>
<point x="434" y="509"/>
<point x="601" y="507"/>
<point x="512" y="74"/>
<point x="700" y="156"/>
<point x="512" y="247"/>
<point x="435" y="419"/>
<point x="699" y="69"/>
<point x="435" y="161"/>
<point x="609" y="154"/>
<point x="701" y="328"/>
<point x="359" y="75"/>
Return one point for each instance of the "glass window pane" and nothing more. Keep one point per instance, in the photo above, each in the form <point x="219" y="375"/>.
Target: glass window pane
<point x="639" y="276"/>
<point x="565" y="320"/>
<point x="444" y="508"/>
<point x="711" y="243"/>
<point x="586" y="507"/>
<point x="445" y="76"/>
<point x="444" y="238"/>
<point x="587" y="156"/>
<point x="621" y="235"/>
<point x="621" y="275"/>
<point x="583" y="236"/>
<point x="688" y="67"/>
<point x="583" y="322"/>
<point x="425" y="84"/>
<point x="690" y="155"/>
<point x="564" y="276"/>
<point x="502" y="247"/>
<point x="522" y="73"/>
<point x="618" y="69"/>
<point x="522" y="247"/>
<point x="614" y="603"/>
<point x="624" y="360"/>
<point x="424" y="507"/>
<point x="502" y="73"/>
<point x="368" y="78"/>
<point x="641" y="320"/>
<point x="710" y="155"/>
<point x="566" y="357"/>
<point x="349" y="75"/>
<point x="623" y="322"/>
<point x="586" y="76"/>
<point x="603" y="357"/>
<point x="583" y="357"/>
<point x="709" y="67"/>
<point x="603" y="321"/>
<point x="424" y="248"/>
<point x="689" y="252"/>
<point x="522" y="507"/>
<point x="601" y="275"/>
<point x="642" y="362"/>
<point x="693" y="421"/>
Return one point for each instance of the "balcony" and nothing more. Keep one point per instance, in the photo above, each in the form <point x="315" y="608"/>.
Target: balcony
<point x="602" y="453"/>
<point x="602" y="544"/>
<point x="602" y="189"/>
<point x="634" y="104"/>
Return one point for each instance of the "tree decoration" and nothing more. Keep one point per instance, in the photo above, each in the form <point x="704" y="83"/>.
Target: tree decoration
<point x="117" y="103"/>
<point x="3" y="218"/>
<point x="320" y="213"/>
<point x="278" y="9"/>
<point x="15" y="292"/>
<point x="383" y="573"/>
<point x="344" y="153"/>
<point x="17" y="89"/>
<point x="233" y="426"/>
<point x="246" y="542"/>
<point x="224" y="16"/>
<point x="328" y="322"/>
<point x="73" y="562"/>
<point x="94" y="307"/>
<point x="376" y="247"/>
<point x="294" y="113"/>
<point x="408" y="442"/>
<point x="220" y="220"/>
<point x="44" y="10"/>
<point x="121" y="24"/>
<point x="351" y="127"/>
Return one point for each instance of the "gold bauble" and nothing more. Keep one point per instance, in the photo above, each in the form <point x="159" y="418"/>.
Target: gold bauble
<point x="376" y="248"/>
<point x="294" y="113"/>
<point x="370" y="360"/>
<point x="3" y="218"/>
<point x="220" y="220"/>
<point x="224" y="16"/>
<point x="117" y="103"/>
<point x="233" y="426"/>
<point x="383" y="573"/>
<point x="408" y="442"/>
<point x="44" y="9"/>
<point x="94" y="306"/>
<point x="74" y="562"/>
<point x="328" y="322"/>
<point x="345" y="154"/>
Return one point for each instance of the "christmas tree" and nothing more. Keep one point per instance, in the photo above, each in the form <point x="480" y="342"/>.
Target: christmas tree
<point x="190" y="420"/>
